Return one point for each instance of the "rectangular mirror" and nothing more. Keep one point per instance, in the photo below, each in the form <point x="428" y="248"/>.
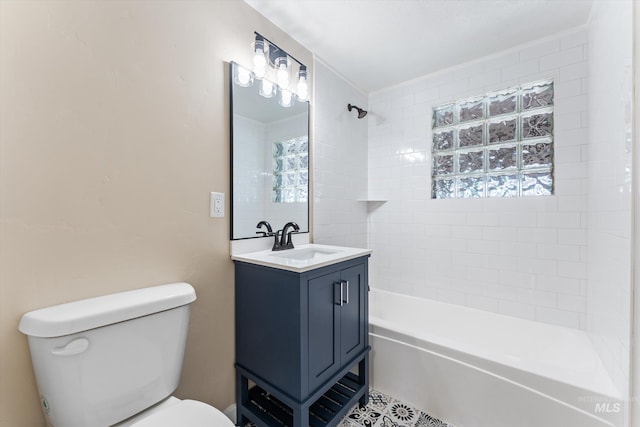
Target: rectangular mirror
<point x="269" y="158"/>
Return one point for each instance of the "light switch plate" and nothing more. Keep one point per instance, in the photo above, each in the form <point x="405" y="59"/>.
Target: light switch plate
<point x="216" y="208"/>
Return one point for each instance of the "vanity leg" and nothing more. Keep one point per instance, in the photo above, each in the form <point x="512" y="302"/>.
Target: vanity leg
<point x="301" y="416"/>
<point x="242" y="397"/>
<point x="363" y="374"/>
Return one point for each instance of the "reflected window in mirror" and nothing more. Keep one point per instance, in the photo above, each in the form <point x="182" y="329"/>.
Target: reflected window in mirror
<point x="291" y="170"/>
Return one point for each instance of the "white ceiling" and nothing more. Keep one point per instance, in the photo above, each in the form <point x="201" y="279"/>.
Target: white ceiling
<point x="379" y="43"/>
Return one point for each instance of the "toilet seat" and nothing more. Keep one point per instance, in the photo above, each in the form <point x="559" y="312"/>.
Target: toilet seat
<point x="186" y="413"/>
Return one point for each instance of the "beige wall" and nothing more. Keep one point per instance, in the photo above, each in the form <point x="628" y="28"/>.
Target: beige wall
<point x="114" y="128"/>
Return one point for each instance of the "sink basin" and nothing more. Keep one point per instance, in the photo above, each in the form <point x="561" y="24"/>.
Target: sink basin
<point x="303" y="254"/>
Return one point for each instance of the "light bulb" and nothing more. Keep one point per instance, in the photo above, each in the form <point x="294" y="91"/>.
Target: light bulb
<point x="286" y="98"/>
<point x="259" y="65"/>
<point x="243" y="76"/>
<point x="302" y="87"/>
<point x="303" y="91"/>
<point x="260" y="51"/>
<point x="267" y="89"/>
<point x="282" y="75"/>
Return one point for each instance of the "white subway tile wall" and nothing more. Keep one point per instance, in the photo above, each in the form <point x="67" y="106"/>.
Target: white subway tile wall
<point x="609" y="182"/>
<point x="339" y="143"/>
<point x="524" y="257"/>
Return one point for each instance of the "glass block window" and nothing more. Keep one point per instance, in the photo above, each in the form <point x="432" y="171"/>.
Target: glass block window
<point x="291" y="171"/>
<point x="497" y="145"/>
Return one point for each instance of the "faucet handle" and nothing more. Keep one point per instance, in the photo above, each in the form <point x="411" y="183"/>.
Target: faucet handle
<point x="269" y="231"/>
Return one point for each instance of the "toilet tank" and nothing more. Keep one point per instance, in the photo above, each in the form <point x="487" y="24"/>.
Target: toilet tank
<point x="101" y="360"/>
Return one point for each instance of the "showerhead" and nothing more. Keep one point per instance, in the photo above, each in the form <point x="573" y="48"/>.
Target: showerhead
<point x="361" y="112"/>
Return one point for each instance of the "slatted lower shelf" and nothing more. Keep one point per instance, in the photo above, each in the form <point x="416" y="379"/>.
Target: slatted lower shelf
<point x="334" y="403"/>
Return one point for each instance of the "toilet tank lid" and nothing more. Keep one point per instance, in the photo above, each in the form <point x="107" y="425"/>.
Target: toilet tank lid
<point x="78" y="316"/>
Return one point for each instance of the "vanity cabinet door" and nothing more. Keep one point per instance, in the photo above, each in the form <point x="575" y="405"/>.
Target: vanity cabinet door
<point x="337" y="321"/>
<point x="353" y="326"/>
<point x="324" y="328"/>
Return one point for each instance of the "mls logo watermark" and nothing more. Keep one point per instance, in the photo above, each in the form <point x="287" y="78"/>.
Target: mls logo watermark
<point x="608" y="407"/>
<point x="602" y="405"/>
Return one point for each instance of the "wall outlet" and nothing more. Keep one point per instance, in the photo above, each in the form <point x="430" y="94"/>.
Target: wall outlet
<point x="216" y="208"/>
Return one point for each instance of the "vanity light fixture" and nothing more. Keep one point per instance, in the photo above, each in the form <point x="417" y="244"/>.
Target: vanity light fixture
<point x="267" y="88"/>
<point x="303" y="85"/>
<point x="286" y="98"/>
<point x="260" y="55"/>
<point x="243" y="77"/>
<point x="282" y="64"/>
<point x="273" y="64"/>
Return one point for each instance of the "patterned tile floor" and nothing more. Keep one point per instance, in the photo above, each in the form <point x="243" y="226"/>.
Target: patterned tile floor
<point x="385" y="411"/>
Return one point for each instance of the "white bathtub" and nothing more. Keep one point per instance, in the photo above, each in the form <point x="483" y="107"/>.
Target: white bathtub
<point x="474" y="368"/>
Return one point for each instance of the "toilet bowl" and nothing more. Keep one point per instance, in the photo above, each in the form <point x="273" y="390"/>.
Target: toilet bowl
<point x="115" y="360"/>
<point x="174" y="412"/>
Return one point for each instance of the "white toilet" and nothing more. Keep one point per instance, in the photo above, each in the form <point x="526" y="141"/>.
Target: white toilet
<point x="115" y="360"/>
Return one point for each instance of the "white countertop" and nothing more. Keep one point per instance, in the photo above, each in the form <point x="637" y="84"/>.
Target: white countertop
<point x="303" y="257"/>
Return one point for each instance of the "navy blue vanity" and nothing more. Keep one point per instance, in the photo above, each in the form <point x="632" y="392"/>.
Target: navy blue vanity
<point x="301" y="342"/>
